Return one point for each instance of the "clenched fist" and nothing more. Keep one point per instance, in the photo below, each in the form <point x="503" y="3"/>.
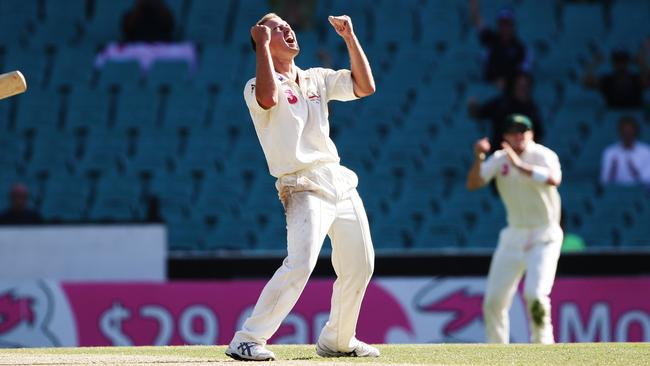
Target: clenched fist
<point x="342" y="24"/>
<point x="481" y="147"/>
<point x="261" y="35"/>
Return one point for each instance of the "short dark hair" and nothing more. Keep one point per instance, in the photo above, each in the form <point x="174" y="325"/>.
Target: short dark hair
<point x="620" y="55"/>
<point x="263" y="20"/>
<point x="629" y="120"/>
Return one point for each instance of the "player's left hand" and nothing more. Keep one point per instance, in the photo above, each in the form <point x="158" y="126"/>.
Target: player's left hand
<point x="342" y="25"/>
<point x="512" y="156"/>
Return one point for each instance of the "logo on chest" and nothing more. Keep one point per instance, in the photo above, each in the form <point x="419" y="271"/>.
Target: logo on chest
<point x="313" y="97"/>
<point x="505" y="170"/>
<point x="291" y="97"/>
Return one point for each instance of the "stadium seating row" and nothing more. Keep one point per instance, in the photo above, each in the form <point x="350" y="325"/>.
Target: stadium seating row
<point x="95" y="144"/>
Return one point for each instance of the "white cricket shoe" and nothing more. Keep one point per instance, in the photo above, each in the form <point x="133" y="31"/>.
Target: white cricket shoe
<point x="249" y="351"/>
<point x="361" y="350"/>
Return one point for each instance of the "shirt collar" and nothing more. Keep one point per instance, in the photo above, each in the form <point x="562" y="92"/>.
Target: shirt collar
<point x="632" y="148"/>
<point x="530" y="146"/>
<point x="302" y="75"/>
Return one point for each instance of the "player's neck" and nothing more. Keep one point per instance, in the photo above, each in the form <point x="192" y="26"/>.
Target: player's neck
<point x="523" y="149"/>
<point x="286" y="68"/>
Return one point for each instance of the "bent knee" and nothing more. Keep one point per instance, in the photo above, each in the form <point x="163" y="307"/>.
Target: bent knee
<point x="299" y="270"/>
<point x="531" y="298"/>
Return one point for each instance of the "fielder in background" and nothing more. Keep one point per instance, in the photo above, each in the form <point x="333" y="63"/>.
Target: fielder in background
<point x="527" y="176"/>
<point x="289" y="110"/>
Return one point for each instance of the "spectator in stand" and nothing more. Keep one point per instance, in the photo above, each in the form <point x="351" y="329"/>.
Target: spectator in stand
<point x="628" y="161"/>
<point x="148" y="21"/>
<point x="19" y="213"/>
<point x="515" y="99"/>
<point x="621" y="88"/>
<point x="505" y="54"/>
<point x="147" y="38"/>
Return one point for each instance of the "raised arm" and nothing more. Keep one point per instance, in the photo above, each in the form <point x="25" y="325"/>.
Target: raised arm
<point x="643" y="62"/>
<point x="475" y="14"/>
<point x="266" y="91"/>
<point x="589" y="80"/>
<point x="364" y="82"/>
<point x="474" y="180"/>
<point x="541" y="174"/>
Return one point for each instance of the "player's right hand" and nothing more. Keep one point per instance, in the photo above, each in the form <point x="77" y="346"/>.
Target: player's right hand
<point x="261" y="34"/>
<point x="482" y="147"/>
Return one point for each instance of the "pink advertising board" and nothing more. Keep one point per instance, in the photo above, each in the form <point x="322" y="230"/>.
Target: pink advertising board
<point x="395" y="310"/>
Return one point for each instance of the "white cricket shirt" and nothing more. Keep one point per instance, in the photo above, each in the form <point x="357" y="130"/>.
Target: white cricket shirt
<point x="529" y="204"/>
<point x="626" y="166"/>
<point x="294" y="134"/>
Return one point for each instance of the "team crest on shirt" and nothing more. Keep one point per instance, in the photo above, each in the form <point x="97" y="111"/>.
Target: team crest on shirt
<point x="291" y="97"/>
<point x="505" y="169"/>
<point x="313" y="97"/>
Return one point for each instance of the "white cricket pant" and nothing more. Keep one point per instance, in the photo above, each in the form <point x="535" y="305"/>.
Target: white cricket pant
<point x="310" y="217"/>
<point x="536" y="252"/>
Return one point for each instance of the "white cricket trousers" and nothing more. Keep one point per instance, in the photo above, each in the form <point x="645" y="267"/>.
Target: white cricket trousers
<point x="535" y="252"/>
<point x="310" y="216"/>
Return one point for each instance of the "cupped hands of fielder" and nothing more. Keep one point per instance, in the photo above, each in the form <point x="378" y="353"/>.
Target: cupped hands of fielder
<point x="481" y="147"/>
<point x="512" y="156"/>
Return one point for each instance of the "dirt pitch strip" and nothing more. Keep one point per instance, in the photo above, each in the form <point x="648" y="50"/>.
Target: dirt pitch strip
<point x="587" y="354"/>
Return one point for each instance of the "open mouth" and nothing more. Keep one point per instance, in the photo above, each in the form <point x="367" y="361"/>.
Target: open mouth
<point x="291" y="41"/>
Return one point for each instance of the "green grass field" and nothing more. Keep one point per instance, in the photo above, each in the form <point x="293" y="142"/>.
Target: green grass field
<point x="438" y="354"/>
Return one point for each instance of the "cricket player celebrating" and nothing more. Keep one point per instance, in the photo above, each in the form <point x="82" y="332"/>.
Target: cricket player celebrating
<point x="288" y="107"/>
<point x="527" y="175"/>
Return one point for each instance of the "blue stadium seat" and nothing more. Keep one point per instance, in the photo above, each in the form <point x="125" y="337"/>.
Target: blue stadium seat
<point x="207" y="21"/>
<point x="441" y="235"/>
<point x="54" y="151"/>
<point x="441" y="21"/>
<point x="137" y="108"/>
<point x="66" y="197"/>
<point x="105" y="23"/>
<point x="153" y="155"/>
<point x="536" y="20"/>
<point x="37" y="109"/>
<point x="107" y="151"/>
<point x="629" y="23"/>
<point x="176" y="195"/>
<point x="186" y="235"/>
<point x="30" y="60"/>
<point x="61" y="23"/>
<point x="187" y="107"/>
<point x="117" y="199"/>
<point x="176" y="74"/>
<point x="126" y="74"/>
<point x="11" y="152"/>
<point x="73" y="66"/>
<point x="394" y="12"/>
<point x="583" y="22"/>
<point x="87" y="108"/>
<point x="17" y="18"/>
<point x="234" y="233"/>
